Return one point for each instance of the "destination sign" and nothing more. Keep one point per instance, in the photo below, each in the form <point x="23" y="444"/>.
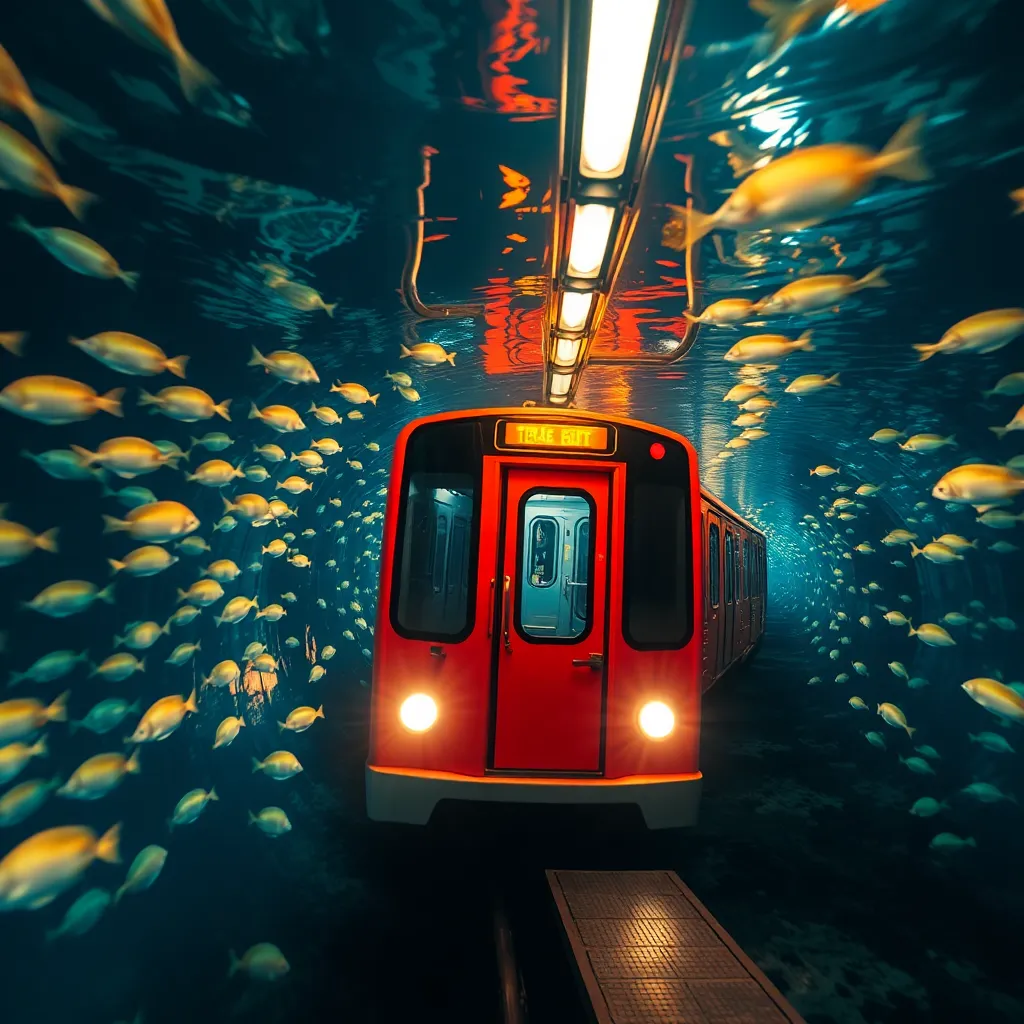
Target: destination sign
<point x="576" y="436"/>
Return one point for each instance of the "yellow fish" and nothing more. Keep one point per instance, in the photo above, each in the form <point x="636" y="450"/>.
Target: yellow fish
<point x="16" y="95"/>
<point x="249" y="506"/>
<point x="978" y="483"/>
<point x="283" y="418"/>
<point x="427" y="352"/>
<point x="723" y="313"/>
<point x="14" y="341"/>
<point x="290" y="366"/>
<point x="57" y="400"/>
<point x="804" y="187"/>
<point x="145" y="561"/>
<point x="355" y="393"/>
<point x="787" y="19"/>
<point x="18" y="542"/>
<point x="163" y="717"/>
<point x="996" y="697"/>
<point x="69" y="597"/>
<point x="185" y="404"/>
<point x="215" y="473"/>
<point x="128" y="353"/>
<point x="77" y="252"/>
<point x="128" y="457"/>
<point x="24" y="169"/>
<point x="811" y="382"/>
<point x="808" y="294"/>
<point x="45" y="865"/>
<point x="97" y="776"/>
<point x="1017" y="195"/>
<point x="148" y="23"/>
<point x="762" y="348"/>
<point x="25" y="716"/>
<point x="981" y="333"/>
<point x="409" y="394"/>
<point x="158" y="522"/>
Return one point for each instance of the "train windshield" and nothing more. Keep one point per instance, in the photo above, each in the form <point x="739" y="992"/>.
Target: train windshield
<point x="555" y="552"/>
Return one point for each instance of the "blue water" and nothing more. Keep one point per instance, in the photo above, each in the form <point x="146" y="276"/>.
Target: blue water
<point x="307" y="156"/>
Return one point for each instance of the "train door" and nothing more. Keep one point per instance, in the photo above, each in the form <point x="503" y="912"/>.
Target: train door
<point x="713" y="634"/>
<point x="729" y="604"/>
<point x="743" y="593"/>
<point x="552" y="588"/>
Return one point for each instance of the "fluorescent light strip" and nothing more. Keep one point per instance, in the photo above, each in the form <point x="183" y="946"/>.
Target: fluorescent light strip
<point x="575" y="307"/>
<point x="620" y="40"/>
<point x="566" y="351"/>
<point x="591" y="226"/>
<point x="560" y="384"/>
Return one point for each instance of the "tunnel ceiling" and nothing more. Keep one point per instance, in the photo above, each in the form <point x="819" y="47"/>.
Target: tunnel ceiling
<point x="333" y="122"/>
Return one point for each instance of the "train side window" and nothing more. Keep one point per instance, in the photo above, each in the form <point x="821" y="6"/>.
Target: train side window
<point x="714" y="563"/>
<point x="728" y="566"/>
<point x="433" y="577"/>
<point x="582" y="569"/>
<point x="543" y="551"/>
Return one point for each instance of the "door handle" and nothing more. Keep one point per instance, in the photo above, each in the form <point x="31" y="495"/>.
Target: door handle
<point x="505" y="613"/>
<point x="595" y="661"/>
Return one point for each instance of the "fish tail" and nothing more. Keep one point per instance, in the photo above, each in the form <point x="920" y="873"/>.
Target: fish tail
<point x="39" y="748"/>
<point x="20" y="224"/>
<point x="373" y="399"/>
<point x="406" y="352"/>
<point x="804" y="341"/>
<point x="320" y="712"/>
<point x="697" y="226"/>
<point x="108" y="848"/>
<point x="177" y="366"/>
<point x="14" y="342"/>
<point x="16" y="677"/>
<point x="58" y="710"/>
<point x="257" y="766"/>
<point x="1000" y="432"/>
<point x="901" y="157"/>
<point x="911" y="729"/>
<point x="252" y="818"/>
<point x="254" y="412"/>
<point x="132" y="766"/>
<point x="195" y="80"/>
<point x="145" y="398"/>
<point x="190" y="704"/>
<point x="834" y="380"/>
<point x="971" y="841"/>
<point x="107" y="594"/>
<point x="111" y="402"/>
<point x="450" y="356"/>
<point x="281" y="727"/>
<point x="77" y="200"/>
<point x="329" y="308"/>
<point x="693" y="320"/>
<point x="927" y="351"/>
<point x="49" y="126"/>
<point x="130" y="278"/>
<point x="222" y="409"/>
<point x="48" y="541"/>
<point x="212" y="795"/>
<point x="257" y="358"/>
<point x="111" y="524"/>
<point x="235" y="965"/>
<point x="872" y="279"/>
<point x="115" y="567"/>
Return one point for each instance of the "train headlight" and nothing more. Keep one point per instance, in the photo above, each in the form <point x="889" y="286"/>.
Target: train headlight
<point x="656" y="720"/>
<point x="418" y="712"/>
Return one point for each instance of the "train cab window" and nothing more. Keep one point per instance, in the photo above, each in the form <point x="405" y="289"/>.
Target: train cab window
<point x="714" y="566"/>
<point x="435" y="556"/>
<point x="729" y="560"/>
<point x="552" y="598"/>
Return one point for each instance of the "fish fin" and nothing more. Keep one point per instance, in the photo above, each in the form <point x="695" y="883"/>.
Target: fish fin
<point x="130" y="278"/>
<point x="901" y="157"/>
<point x="235" y="964"/>
<point x="115" y="567"/>
<point x="49" y="126"/>
<point x="190" y="704"/>
<point x="834" y="380"/>
<point x="329" y="308"/>
<point x="373" y="399"/>
<point x="108" y="847"/>
<point x="111" y="402"/>
<point x="406" y="352"/>
<point x="254" y="412"/>
<point x="145" y="398"/>
<point x="222" y="409"/>
<point x="77" y="200"/>
<point x="804" y="341"/>
<point x="257" y="359"/>
<point x="47" y="541"/>
<point x="212" y="795"/>
<point x="252" y="818"/>
<point x="911" y="729"/>
<point x="39" y="748"/>
<point x="14" y="342"/>
<point x="177" y="366"/>
<point x="1000" y="432"/>
<point x="450" y="356"/>
<point x="320" y="712"/>
<point x="872" y="279"/>
<point x="697" y="226"/>
<point x="107" y="594"/>
<point x="693" y="320"/>
<point x="195" y="80"/>
<point x="257" y="766"/>
<point x="971" y="841"/>
<point x="20" y="224"/>
<point x="132" y="765"/>
<point x="281" y="727"/>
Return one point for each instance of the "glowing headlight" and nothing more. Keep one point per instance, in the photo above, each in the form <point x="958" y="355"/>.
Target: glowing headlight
<point x="656" y="720"/>
<point x="419" y="712"/>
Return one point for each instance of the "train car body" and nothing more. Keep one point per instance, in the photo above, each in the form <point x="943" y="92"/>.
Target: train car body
<point x="556" y="593"/>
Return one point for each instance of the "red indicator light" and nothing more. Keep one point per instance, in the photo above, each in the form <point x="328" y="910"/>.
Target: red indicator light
<point x="657" y="450"/>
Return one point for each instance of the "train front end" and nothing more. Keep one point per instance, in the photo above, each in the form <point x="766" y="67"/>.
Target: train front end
<point x="538" y="633"/>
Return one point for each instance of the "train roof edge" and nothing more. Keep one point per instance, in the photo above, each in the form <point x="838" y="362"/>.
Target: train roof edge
<point x="547" y="412"/>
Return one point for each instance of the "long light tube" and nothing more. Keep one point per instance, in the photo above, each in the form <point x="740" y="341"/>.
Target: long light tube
<point x="575" y="307"/>
<point x="590" y="230"/>
<point x="620" y="39"/>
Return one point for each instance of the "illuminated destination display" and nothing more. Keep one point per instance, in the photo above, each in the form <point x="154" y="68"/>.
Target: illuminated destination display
<point x="581" y="437"/>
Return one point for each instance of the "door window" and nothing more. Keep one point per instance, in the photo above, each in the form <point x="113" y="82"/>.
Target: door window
<point x="729" y="581"/>
<point x="714" y="566"/>
<point x="555" y="556"/>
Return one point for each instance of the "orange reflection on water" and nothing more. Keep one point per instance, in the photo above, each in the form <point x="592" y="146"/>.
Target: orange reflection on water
<point x="513" y="332"/>
<point x="631" y="318"/>
<point x="514" y="35"/>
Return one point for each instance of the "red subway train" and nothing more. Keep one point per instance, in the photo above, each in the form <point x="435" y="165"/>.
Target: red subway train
<point x="556" y="593"/>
